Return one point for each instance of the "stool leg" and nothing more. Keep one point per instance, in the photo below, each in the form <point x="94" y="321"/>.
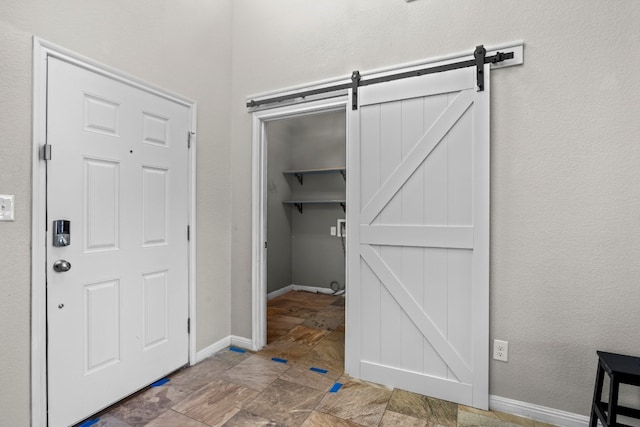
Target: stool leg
<point x="613" y="400"/>
<point x="597" y="395"/>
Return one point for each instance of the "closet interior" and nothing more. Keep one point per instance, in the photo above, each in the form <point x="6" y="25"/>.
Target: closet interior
<point x="306" y="202"/>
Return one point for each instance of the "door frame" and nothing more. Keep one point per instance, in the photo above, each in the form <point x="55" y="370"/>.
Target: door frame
<point x="42" y="50"/>
<point x="259" y="202"/>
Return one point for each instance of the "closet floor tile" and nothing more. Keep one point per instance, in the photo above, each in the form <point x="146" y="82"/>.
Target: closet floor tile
<point x="256" y="372"/>
<point x="285" y="402"/>
<point x="216" y="403"/>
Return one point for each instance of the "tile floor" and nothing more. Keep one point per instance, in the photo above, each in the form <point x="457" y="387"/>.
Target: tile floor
<point x="250" y="389"/>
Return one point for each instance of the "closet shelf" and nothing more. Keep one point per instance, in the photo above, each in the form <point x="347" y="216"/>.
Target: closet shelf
<point x="301" y="172"/>
<point x="299" y="203"/>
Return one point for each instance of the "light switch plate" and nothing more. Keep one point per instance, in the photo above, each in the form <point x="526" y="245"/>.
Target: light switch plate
<point x="6" y="207"/>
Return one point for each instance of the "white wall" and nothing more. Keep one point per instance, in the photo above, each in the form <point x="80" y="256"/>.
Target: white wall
<point x="182" y="46"/>
<point x="279" y="158"/>
<point x="565" y="186"/>
<point x="565" y="199"/>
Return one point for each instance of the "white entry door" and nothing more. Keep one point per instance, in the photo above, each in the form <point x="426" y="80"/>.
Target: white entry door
<point x="117" y="319"/>
<point x="418" y="299"/>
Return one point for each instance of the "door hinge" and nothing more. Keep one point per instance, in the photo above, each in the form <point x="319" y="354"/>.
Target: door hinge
<point x="188" y="232"/>
<point x="189" y="135"/>
<point x="46" y="152"/>
<point x="189" y="325"/>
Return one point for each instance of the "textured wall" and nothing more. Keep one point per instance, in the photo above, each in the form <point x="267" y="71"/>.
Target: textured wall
<point x="15" y="178"/>
<point x="182" y="46"/>
<point x="565" y="154"/>
<point x="279" y="158"/>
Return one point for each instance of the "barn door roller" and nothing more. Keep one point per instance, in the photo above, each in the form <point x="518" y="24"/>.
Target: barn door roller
<point x="479" y="54"/>
<point x="355" y="82"/>
<point x="479" y="59"/>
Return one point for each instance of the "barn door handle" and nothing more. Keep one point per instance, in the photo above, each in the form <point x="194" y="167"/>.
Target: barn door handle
<point x="61" y="266"/>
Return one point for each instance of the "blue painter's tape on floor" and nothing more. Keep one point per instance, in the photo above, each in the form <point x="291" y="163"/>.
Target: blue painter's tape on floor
<point x="89" y="422"/>
<point x="160" y="382"/>
<point x="277" y="359"/>
<point x="335" y="388"/>
<point x="237" y="350"/>
<point x="322" y="371"/>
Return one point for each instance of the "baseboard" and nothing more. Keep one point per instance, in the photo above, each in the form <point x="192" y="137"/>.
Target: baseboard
<point x="293" y="287"/>
<point x="279" y="292"/>
<point x="313" y="289"/>
<point x="241" y="342"/>
<point x="225" y="342"/>
<point x="537" y="412"/>
<point x="213" y="349"/>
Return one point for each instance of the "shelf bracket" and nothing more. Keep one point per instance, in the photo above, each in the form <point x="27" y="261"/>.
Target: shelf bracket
<point x="344" y="174"/>
<point x="343" y="207"/>
<point x="299" y="206"/>
<point x="299" y="176"/>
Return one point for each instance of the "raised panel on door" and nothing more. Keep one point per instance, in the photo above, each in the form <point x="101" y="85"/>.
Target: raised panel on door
<point x="419" y="259"/>
<point x="154" y="205"/>
<point x="155" y="309"/>
<point x="101" y="325"/>
<point x="101" y="217"/>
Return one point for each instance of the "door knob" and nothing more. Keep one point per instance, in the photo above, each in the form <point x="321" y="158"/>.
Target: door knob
<point x="61" y="266"/>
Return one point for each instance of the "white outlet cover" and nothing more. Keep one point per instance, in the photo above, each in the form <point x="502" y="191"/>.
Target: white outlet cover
<point x="6" y="207"/>
<point x="501" y="350"/>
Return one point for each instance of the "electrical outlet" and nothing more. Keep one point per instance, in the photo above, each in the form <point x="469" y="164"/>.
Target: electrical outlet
<point x="342" y="227"/>
<point x="332" y="231"/>
<point x="501" y="350"/>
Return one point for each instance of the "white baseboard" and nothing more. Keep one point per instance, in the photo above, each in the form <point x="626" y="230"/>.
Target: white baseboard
<point x="241" y="342"/>
<point x="293" y="287"/>
<point x="279" y="292"/>
<point x="313" y="289"/>
<point x="213" y="349"/>
<point x="225" y="342"/>
<point x="537" y="412"/>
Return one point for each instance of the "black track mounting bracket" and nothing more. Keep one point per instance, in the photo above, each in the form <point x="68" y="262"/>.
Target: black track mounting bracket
<point x="355" y="82"/>
<point x="479" y="54"/>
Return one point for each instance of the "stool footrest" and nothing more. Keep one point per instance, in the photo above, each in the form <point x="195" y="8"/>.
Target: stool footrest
<point x="621" y="410"/>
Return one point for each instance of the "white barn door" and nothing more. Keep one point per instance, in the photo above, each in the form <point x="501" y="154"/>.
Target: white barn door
<point x="418" y="215"/>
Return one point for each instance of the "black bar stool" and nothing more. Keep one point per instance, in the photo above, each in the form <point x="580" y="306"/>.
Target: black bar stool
<point x="621" y="370"/>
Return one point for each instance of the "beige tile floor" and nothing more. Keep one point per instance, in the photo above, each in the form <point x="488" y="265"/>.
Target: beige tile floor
<point x="250" y="389"/>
